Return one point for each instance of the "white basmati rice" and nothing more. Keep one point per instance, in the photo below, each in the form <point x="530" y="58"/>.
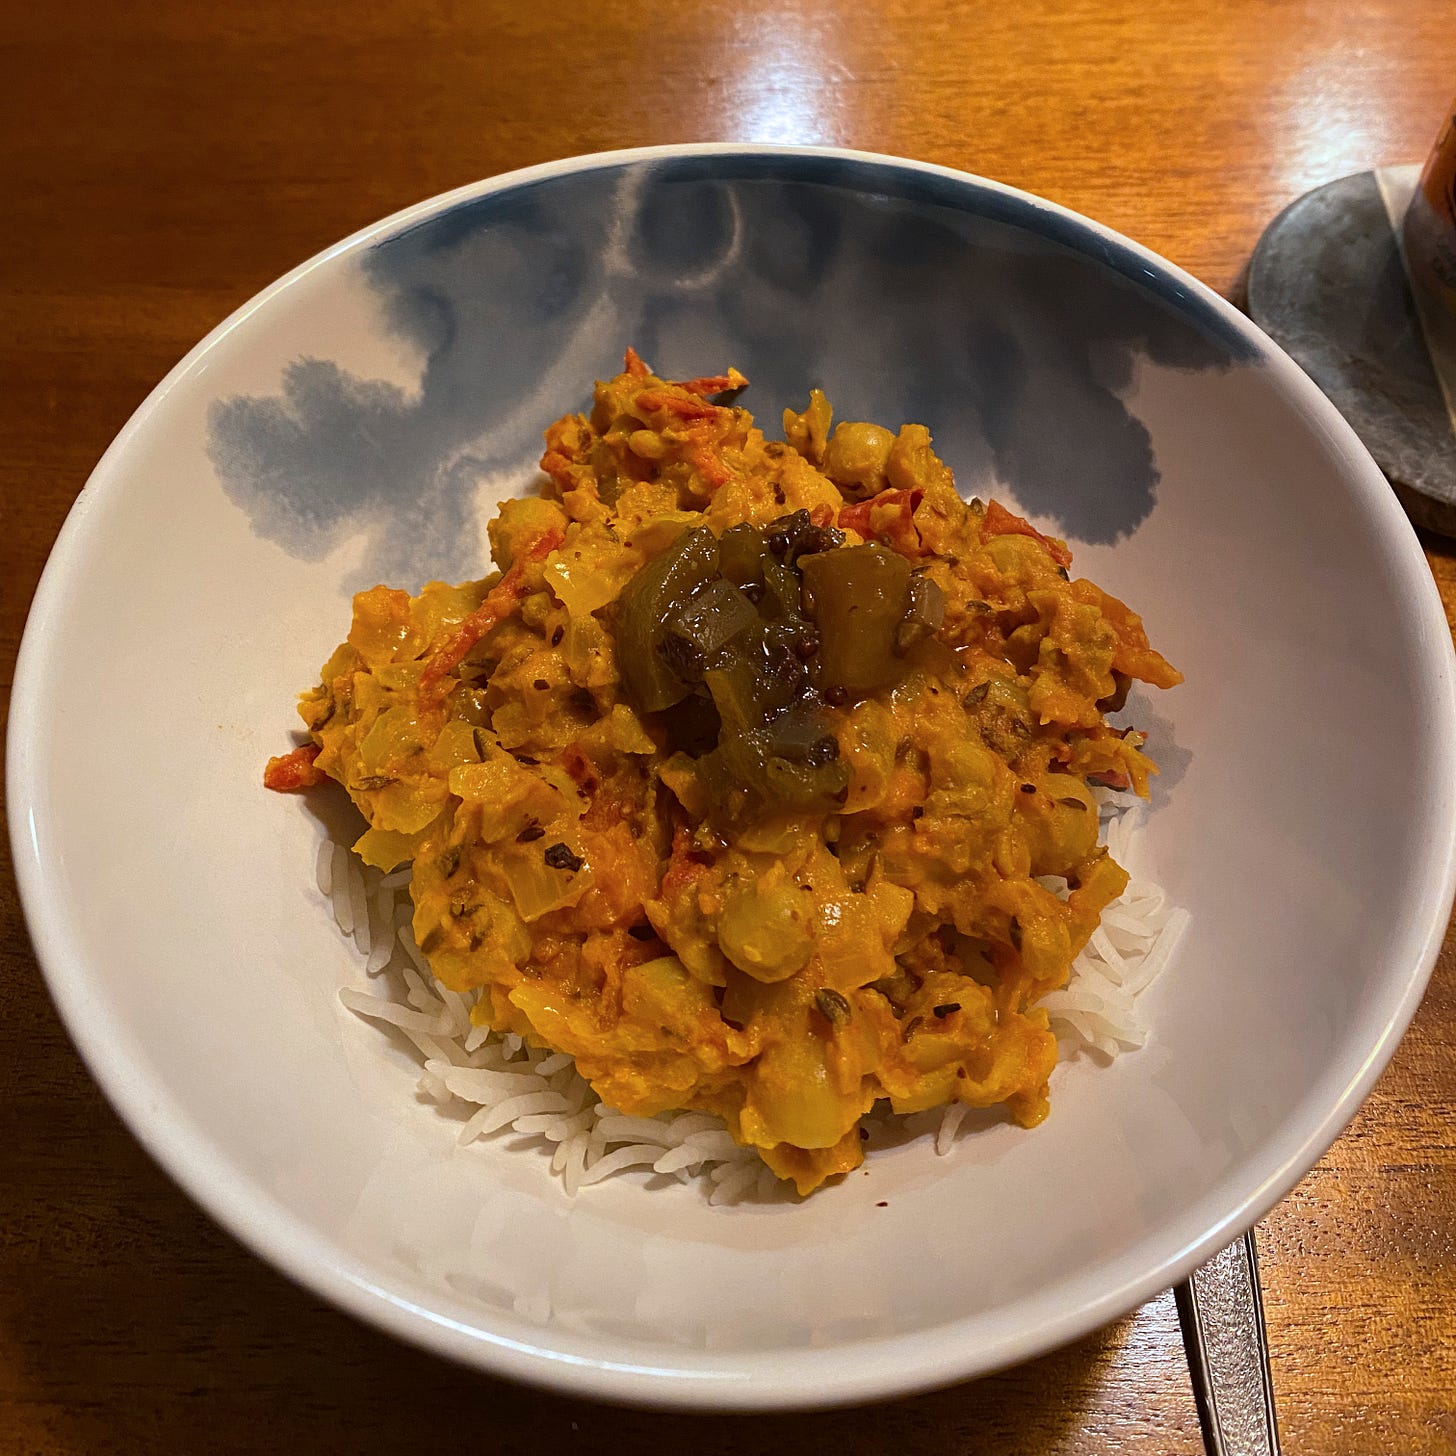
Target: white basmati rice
<point x="507" y="1087"/>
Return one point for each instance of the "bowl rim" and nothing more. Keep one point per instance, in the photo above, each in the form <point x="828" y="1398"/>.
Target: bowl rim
<point x="745" y="1381"/>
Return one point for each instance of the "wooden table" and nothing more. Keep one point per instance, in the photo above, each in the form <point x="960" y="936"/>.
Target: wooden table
<point x="161" y="162"/>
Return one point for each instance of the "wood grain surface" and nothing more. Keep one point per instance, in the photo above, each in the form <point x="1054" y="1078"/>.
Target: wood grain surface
<point x="161" y="162"/>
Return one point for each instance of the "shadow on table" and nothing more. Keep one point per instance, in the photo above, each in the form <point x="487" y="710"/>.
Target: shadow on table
<point x="130" y="1323"/>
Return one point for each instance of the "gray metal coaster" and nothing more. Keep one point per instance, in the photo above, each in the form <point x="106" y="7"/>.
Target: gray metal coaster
<point x="1328" y="284"/>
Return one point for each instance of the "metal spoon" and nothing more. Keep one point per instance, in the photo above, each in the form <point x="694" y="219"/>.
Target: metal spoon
<point x="1222" y="1316"/>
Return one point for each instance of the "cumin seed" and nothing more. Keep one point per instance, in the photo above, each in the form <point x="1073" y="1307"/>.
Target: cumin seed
<point x="560" y="857"/>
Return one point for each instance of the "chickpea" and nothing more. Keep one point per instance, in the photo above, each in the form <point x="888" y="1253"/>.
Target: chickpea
<point x="766" y="932"/>
<point x="647" y="444"/>
<point x="913" y="464"/>
<point x="536" y="609"/>
<point x="855" y="458"/>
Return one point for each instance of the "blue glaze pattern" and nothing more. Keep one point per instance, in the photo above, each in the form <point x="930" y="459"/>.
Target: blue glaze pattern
<point x="1012" y="331"/>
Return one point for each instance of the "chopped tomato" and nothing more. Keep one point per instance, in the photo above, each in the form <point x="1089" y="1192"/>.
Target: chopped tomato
<point x="1001" y="522"/>
<point x="890" y="516"/>
<point x="655" y="401"/>
<point x="714" y="383"/>
<point x="581" y="768"/>
<point x="684" y="865"/>
<point x="290" y="772"/>
<point x="500" y="601"/>
<point x="702" y="454"/>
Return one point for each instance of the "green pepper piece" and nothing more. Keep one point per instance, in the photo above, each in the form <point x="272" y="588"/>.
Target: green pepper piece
<point x="742" y="554"/>
<point x="735" y="689"/>
<point x="654" y="597"/>
<point x="767" y="760"/>
<point x="746" y="777"/>
<point x="783" y="673"/>
<point x="858" y="596"/>
<point x="923" y="615"/>
<point x="692" y="725"/>
<point x="782" y="598"/>
<point x="714" y="617"/>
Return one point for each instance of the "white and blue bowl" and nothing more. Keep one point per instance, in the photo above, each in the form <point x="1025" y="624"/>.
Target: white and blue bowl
<point x="359" y="420"/>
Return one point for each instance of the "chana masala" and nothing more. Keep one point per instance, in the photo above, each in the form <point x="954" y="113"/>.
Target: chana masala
<point x="760" y="776"/>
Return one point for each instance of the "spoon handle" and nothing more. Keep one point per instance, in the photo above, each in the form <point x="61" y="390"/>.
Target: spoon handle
<point x="1222" y="1315"/>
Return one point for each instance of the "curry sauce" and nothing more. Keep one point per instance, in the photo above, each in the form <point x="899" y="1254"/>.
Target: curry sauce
<point x="760" y="776"/>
